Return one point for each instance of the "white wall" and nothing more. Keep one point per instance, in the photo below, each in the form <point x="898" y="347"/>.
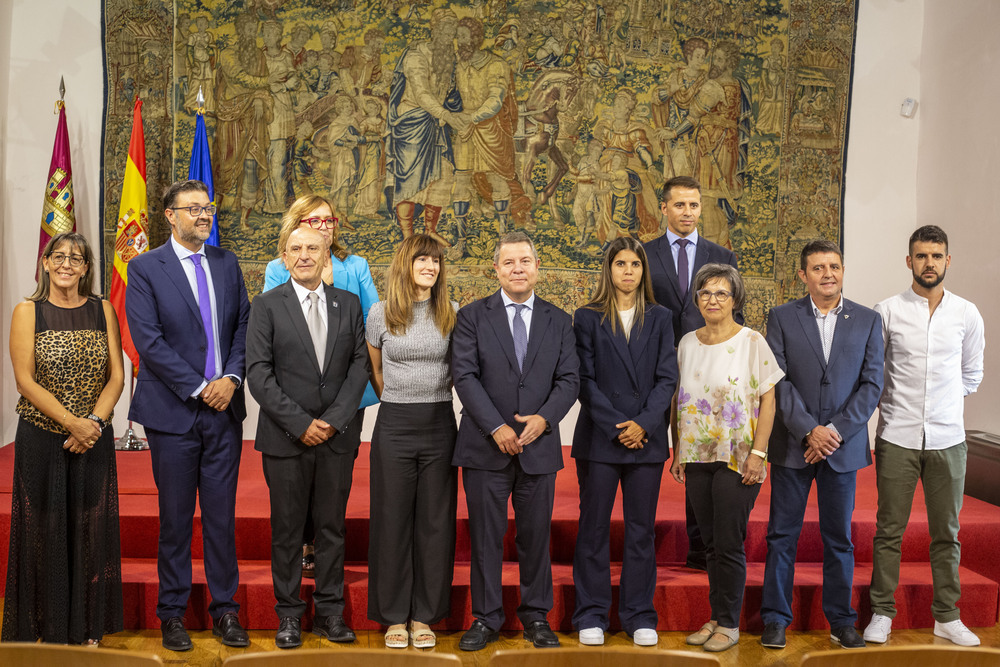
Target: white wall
<point x="881" y="203"/>
<point x="959" y="170"/>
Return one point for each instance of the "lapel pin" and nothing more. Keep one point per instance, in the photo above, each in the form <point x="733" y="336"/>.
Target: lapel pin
<point x="335" y="304"/>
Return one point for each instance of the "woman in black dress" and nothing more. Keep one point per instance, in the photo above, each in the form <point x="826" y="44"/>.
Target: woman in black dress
<point x="64" y="566"/>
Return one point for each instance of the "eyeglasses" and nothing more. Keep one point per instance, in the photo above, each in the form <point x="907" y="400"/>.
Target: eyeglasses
<point x="320" y="223"/>
<point x="721" y="296"/>
<point x="196" y="210"/>
<point x="58" y="258"/>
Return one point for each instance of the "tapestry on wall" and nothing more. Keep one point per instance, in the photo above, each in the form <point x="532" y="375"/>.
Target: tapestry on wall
<point x="466" y="119"/>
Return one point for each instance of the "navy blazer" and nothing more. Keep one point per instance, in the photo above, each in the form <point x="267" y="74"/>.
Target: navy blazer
<point x="623" y="380"/>
<point x="165" y="323"/>
<point x="666" y="289"/>
<point x="814" y="392"/>
<point x="285" y="377"/>
<point x="493" y="390"/>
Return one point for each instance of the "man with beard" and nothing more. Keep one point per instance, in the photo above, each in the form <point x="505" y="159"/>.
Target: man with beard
<point x="423" y="109"/>
<point x="934" y="346"/>
<point x="244" y="110"/>
<point x="485" y="149"/>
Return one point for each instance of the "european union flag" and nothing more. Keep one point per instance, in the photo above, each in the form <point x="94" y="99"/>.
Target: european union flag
<point x="200" y="169"/>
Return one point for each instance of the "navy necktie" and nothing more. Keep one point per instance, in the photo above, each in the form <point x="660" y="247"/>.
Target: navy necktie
<point x="682" y="267"/>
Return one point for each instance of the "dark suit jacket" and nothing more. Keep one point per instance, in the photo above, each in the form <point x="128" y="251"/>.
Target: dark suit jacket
<point x="622" y="380"/>
<point x="166" y="328"/>
<point x="286" y="379"/>
<point x="843" y="391"/>
<point x="666" y="289"/>
<point x="492" y="389"/>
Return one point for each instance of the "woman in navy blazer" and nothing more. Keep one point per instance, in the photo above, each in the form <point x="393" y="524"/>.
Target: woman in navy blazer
<point x="628" y="371"/>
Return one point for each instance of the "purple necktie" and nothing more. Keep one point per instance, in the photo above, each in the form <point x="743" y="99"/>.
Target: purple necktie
<point x="205" y="306"/>
<point x="682" y="267"/>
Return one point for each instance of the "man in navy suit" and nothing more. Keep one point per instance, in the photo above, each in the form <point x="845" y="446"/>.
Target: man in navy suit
<point x="831" y="351"/>
<point x="674" y="259"/>
<point x="187" y="310"/>
<point x="516" y="372"/>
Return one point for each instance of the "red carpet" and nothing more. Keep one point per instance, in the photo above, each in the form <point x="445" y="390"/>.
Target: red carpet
<point x="681" y="597"/>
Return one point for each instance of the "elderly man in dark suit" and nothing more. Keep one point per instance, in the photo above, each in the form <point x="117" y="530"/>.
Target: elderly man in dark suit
<point x="187" y="311"/>
<point x="307" y="366"/>
<point x="516" y="372"/>
<point x="831" y="350"/>
<point x="674" y="259"/>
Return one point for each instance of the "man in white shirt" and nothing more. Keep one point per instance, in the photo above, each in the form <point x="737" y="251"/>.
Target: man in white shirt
<point x="933" y="358"/>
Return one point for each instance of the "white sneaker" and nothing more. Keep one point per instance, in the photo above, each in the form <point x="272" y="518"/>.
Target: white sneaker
<point x="592" y="637"/>
<point x="645" y="637"/>
<point x="878" y="630"/>
<point x="956" y="632"/>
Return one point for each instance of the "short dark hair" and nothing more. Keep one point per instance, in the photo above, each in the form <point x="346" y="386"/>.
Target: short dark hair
<point x="815" y="247"/>
<point x="727" y="271"/>
<point x="929" y="234"/>
<point x="510" y="238"/>
<point x="678" y="182"/>
<point x="174" y="189"/>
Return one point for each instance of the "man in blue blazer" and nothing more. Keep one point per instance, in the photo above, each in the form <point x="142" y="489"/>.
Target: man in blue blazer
<point x="831" y="350"/>
<point x="187" y="311"/>
<point x="516" y="372"/>
<point x="674" y="259"/>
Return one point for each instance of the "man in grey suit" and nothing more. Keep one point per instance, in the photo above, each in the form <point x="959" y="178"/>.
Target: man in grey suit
<point x="516" y="372"/>
<point x="831" y="351"/>
<point x="307" y="366"/>
<point x="674" y="259"/>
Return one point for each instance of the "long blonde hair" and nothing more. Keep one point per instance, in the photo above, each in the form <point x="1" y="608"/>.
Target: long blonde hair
<point x="401" y="290"/>
<point x="605" y="299"/>
<point x="293" y="218"/>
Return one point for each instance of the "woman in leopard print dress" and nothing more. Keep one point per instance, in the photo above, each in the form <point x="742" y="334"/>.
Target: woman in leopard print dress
<point x="64" y="568"/>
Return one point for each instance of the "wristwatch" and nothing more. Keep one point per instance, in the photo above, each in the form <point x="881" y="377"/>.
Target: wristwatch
<point x="100" y="422"/>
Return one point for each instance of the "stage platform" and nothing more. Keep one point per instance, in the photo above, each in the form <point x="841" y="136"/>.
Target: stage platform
<point x="681" y="593"/>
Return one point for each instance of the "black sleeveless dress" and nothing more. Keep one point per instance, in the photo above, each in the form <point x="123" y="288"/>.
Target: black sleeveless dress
<point x="64" y="567"/>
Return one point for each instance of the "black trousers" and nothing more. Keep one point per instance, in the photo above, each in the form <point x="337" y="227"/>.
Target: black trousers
<point x="323" y="477"/>
<point x="411" y="548"/>
<point x="722" y="504"/>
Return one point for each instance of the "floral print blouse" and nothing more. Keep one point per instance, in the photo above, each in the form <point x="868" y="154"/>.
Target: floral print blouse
<point x="718" y="397"/>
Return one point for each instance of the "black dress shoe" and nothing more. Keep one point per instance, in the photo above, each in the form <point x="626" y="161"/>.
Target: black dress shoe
<point x="175" y="637"/>
<point x="774" y="636"/>
<point x="847" y="637"/>
<point x="477" y="637"/>
<point x="289" y="634"/>
<point x="540" y="634"/>
<point x="309" y="565"/>
<point x="229" y="629"/>
<point x="333" y="628"/>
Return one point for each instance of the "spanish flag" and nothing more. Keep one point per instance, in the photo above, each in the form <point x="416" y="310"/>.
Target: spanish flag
<point x="131" y="238"/>
<point x="57" y="206"/>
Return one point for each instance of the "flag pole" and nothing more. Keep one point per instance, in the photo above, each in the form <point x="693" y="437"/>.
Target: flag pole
<point x="130" y="442"/>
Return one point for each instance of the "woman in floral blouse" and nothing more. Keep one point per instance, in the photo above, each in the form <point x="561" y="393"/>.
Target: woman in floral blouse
<point x="722" y="420"/>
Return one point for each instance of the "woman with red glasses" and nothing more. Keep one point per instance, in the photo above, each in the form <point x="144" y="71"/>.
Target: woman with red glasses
<point x="345" y="271"/>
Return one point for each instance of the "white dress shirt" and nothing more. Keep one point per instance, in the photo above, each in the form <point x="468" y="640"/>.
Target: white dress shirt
<point x="302" y="294"/>
<point x="932" y="362"/>
<point x="525" y="314"/>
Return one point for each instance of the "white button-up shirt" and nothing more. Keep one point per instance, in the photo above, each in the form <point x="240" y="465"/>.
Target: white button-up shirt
<point x="931" y="364"/>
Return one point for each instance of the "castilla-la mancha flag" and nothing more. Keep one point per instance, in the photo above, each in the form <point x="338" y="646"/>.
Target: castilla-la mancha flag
<point x="131" y="238"/>
<point x="57" y="207"/>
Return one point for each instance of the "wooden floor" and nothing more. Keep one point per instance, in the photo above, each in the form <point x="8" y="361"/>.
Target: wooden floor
<point x="208" y="652"/>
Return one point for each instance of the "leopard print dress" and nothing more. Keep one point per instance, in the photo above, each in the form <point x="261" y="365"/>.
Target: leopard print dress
<point x="64" y="566"/>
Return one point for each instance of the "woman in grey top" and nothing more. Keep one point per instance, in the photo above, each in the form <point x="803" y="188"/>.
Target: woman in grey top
<point x="411" y="550"/>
